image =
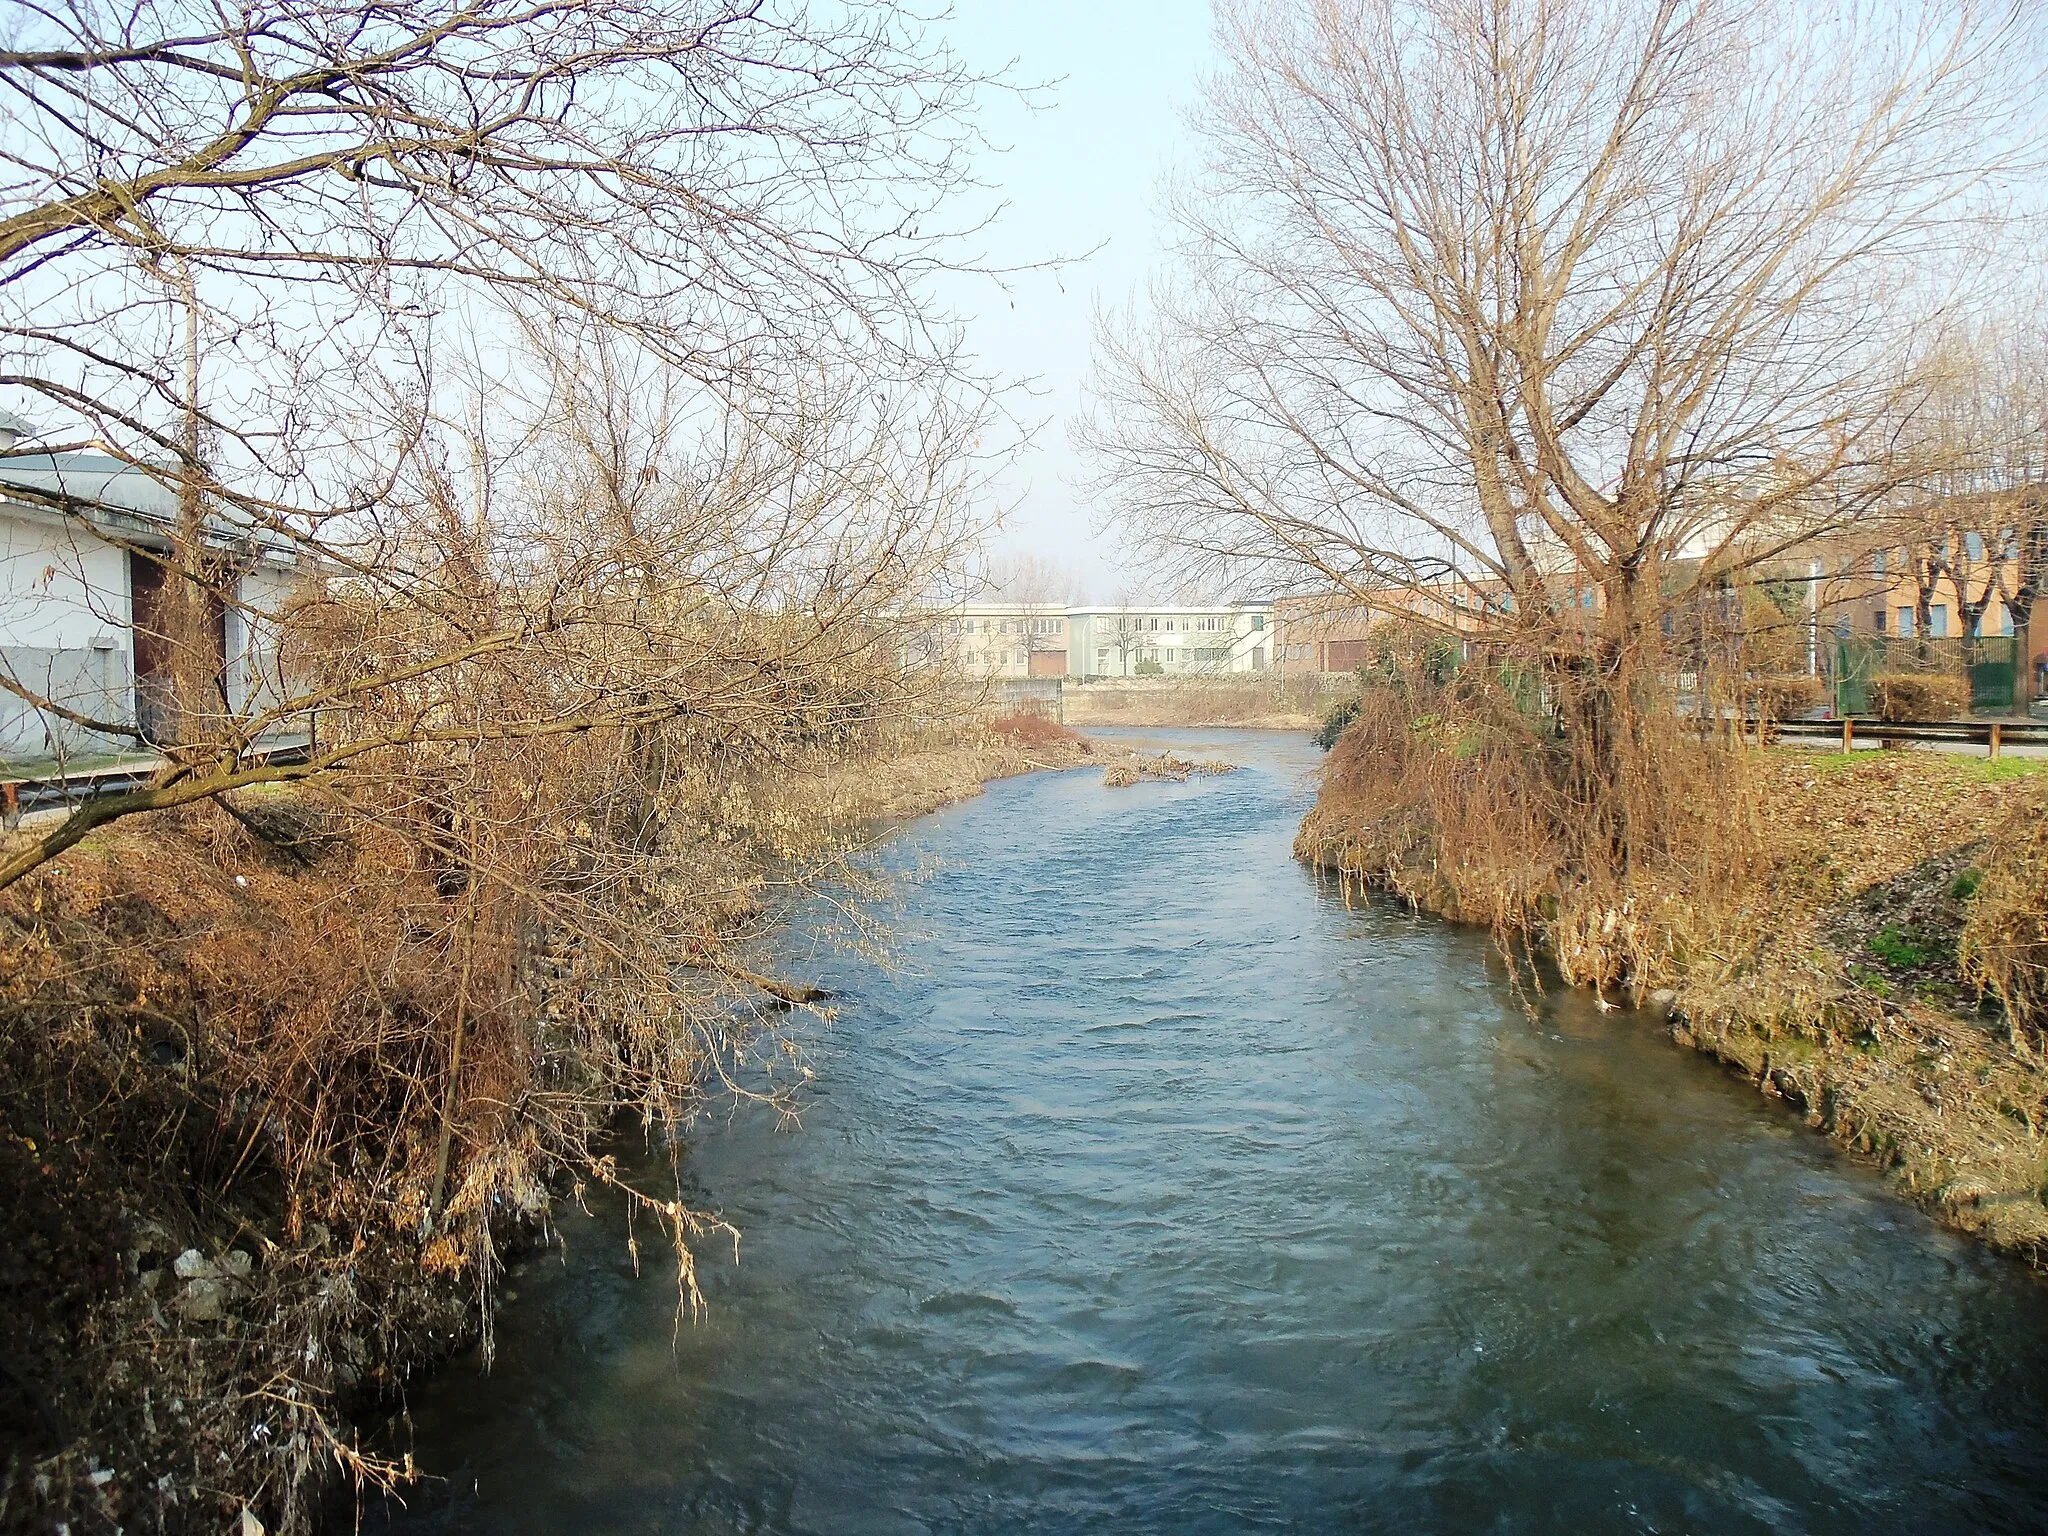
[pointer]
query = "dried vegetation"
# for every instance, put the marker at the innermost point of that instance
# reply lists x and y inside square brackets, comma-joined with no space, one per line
[1160,767]
[279,1083]
[1268,702]
[1862,937]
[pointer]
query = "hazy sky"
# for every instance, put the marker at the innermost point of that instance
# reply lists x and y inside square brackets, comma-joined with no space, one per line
[1081,171]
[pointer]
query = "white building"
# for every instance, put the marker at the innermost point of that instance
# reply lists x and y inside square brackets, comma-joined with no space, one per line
[80,534]
[1022,640]
[1169,640]
[1006,640]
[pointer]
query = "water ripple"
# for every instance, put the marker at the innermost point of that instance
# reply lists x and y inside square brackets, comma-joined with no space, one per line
[1156,1190]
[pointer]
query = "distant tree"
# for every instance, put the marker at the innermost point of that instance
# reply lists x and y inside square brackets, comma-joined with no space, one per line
[1031,580]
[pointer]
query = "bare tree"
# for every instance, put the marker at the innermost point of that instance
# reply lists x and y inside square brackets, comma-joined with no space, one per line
[1542,295]
[243,253]
[1035,581]
[1982,516]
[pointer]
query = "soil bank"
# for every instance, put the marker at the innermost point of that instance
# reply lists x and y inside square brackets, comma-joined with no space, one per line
[1857,1015]
[192,1328]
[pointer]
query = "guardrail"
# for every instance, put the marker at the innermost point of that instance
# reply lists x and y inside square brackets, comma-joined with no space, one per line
[1993,735]
[18,796]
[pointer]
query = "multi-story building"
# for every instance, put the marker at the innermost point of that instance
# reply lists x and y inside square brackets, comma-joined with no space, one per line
[1044,640]
[1334,632]
[1006,640]
[1169,639]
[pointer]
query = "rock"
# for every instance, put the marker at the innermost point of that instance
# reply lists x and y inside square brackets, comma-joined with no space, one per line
[251,1526]
[204,1301]
[1660,1003]
[192,1265]
[237,1264]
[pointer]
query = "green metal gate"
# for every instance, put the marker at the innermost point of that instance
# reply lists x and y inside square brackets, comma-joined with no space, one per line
[1855,660]
[1994,672]
[1991,664]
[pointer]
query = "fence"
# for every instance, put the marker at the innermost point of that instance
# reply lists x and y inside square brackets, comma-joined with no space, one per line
[1991,664]
[1992,735]
[1041,696]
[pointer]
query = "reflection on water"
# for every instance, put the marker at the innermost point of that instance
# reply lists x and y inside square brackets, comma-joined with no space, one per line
[1157,1190]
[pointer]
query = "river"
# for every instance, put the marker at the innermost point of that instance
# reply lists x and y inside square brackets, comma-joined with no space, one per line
[1154,1188]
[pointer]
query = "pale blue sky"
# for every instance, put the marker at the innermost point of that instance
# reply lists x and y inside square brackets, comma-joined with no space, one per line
[1081,171]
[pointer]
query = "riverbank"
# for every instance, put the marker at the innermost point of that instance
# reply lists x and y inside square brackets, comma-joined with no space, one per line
[1264,702]
[1838,983]
[220,1032]
[1151,1188]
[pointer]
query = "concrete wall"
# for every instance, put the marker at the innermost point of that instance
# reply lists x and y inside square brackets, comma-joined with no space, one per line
[66,633]
[63,632]
[93,682]
[60,587]
[253,681]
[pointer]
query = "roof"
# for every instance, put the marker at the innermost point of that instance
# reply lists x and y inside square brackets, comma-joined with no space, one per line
[118,496]
[98,478]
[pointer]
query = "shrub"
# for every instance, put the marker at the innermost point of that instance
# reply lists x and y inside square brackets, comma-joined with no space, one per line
[1919,696]
[1899,947]
[1334,722]
[1029,730]
[1782,698]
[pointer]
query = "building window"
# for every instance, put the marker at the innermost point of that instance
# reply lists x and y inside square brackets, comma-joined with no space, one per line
[1877,563]
[1879,621]
[1937,622]
[1258,621]
[1973,546]
[1905,621]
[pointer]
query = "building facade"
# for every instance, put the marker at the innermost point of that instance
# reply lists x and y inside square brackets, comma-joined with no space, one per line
[1169,640]
[81,540]
[1005,640]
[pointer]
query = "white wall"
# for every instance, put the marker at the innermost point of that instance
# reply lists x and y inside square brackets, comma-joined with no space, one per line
[253,683]
[61,587]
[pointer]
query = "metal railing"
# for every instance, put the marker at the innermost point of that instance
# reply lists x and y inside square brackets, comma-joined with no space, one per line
[19,796]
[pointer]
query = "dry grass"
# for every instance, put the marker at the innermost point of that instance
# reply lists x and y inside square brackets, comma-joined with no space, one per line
[1036,731]
[2003,945]
[1268,702]
[340,1064]
[1460,800]
[1161,767]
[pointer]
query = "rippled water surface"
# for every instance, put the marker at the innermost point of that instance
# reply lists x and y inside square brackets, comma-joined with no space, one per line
[1157,1191]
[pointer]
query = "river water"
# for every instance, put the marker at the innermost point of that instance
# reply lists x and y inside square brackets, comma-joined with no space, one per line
[1153,1188]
